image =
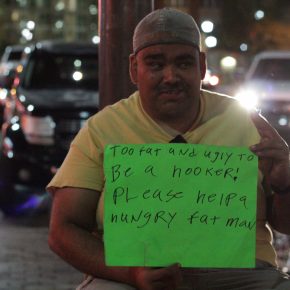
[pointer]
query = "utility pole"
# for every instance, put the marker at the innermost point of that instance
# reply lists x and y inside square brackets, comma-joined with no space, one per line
[117,20]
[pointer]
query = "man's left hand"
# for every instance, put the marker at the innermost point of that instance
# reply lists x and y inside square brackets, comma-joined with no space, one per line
[273,153]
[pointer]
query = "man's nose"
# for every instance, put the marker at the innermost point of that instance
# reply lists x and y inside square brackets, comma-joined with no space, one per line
[170,74]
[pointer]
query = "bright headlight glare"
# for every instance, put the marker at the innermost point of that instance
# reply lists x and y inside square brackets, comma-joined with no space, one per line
[38,130]
[247,98]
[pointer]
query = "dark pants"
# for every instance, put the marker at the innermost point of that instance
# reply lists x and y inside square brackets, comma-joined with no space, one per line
[263,277]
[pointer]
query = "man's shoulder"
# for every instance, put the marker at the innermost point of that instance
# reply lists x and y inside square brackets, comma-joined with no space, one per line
[217,103]
[124,107]
[215,98]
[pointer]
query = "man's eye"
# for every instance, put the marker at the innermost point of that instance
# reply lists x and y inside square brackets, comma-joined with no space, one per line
[185,65]
[155,65]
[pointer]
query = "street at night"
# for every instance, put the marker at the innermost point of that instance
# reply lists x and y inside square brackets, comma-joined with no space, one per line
[79,76]
[26,262]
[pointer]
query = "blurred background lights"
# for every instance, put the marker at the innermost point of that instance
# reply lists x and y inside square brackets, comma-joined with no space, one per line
[30,25]
[96,39]
[59,6]
[15,127]
[207,26]
[283,121]
[243,47]
[14,120]
[19,68]
[93,9]
[210,41]
[27,49]
[10,154]
[228,62]
[214,80]
[15,15]
[3,94]
[58,24]
[22,24]
[259,14]
[22,3]
[84,114]
[77,76]
[77,63]
[26,33]
[248,98]
[22,98]
[30,108]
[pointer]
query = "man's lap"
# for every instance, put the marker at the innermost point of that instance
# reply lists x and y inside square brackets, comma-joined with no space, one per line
[265,278]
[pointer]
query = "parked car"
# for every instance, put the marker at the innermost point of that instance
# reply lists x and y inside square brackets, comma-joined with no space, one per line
[52,96]
[267,87]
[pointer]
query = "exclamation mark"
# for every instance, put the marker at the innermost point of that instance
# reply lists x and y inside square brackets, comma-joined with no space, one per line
[236,177]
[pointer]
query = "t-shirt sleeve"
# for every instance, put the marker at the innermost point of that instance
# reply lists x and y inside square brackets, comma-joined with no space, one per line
[83,165]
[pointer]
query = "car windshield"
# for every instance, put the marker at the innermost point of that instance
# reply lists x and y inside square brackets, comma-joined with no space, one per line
[62,71]
[273,69]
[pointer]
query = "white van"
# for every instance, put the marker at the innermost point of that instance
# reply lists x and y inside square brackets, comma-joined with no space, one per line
[267,87]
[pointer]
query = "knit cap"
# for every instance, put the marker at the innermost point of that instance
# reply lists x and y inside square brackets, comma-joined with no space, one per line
[166,26]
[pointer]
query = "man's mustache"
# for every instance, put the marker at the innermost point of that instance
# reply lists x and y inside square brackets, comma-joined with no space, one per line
[172,87]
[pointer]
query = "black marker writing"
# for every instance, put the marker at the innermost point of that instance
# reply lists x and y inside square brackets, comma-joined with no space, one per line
[117,172]
[202,218]
[238,222]
[122,192]
[143,218]
[221,199]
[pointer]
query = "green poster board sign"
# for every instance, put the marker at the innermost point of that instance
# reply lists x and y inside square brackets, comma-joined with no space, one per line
[186,203]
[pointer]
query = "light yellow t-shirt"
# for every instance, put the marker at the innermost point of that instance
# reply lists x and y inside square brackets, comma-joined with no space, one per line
[221,121]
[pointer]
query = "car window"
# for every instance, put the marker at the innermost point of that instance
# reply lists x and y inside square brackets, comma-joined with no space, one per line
[14,55]
[61,71]
[273,69]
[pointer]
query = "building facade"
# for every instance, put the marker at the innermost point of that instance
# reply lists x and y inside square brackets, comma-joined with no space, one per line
[25,21]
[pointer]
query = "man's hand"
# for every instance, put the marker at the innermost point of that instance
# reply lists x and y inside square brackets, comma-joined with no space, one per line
[168,278]
[273,153]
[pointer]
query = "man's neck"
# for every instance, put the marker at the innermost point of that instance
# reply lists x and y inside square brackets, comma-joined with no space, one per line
[181,125]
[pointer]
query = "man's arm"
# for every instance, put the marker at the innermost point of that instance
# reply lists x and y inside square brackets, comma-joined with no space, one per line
[279,217]
[73,219]
[273,153]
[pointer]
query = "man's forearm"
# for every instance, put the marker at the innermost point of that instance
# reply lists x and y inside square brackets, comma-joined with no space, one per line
[280,213]
[85,252]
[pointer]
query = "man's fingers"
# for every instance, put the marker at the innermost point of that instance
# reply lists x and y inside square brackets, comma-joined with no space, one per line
[171,274]
[263,127]
[166,272]
[269,144]
[270,153]
[272,144]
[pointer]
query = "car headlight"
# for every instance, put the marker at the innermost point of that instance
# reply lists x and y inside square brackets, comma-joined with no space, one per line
[247,98]
[38,130]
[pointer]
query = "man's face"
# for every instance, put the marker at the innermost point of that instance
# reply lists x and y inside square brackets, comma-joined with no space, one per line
[168,78]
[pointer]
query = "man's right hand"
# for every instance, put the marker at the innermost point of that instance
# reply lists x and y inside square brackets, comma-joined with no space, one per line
[168,278]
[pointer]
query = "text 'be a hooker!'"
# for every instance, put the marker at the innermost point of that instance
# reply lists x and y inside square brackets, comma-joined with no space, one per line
[185,203]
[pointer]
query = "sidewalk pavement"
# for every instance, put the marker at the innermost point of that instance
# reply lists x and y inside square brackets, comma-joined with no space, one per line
[27,263]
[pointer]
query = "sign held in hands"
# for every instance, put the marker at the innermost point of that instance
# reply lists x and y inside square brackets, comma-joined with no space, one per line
[186,203]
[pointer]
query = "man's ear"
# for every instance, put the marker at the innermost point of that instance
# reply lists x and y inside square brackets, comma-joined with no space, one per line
[202,63]
[133,68]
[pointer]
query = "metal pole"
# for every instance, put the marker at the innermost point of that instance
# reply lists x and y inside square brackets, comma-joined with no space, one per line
[117,20]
